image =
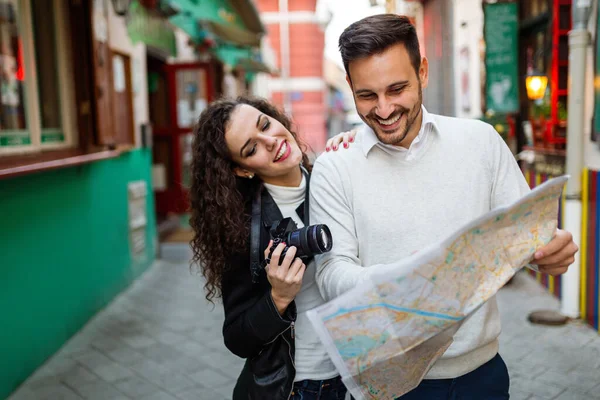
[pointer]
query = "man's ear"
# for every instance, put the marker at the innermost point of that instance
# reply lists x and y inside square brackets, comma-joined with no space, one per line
[424,72]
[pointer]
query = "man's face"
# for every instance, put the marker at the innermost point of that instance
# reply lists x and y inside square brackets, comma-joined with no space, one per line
[388,94]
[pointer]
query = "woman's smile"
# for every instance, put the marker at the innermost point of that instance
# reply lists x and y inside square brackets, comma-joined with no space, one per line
[283,152]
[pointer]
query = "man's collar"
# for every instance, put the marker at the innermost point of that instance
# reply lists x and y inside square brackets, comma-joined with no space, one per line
[369,139]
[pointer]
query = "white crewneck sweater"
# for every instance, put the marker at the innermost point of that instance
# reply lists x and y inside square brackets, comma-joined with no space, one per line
[382,206]
[312,361]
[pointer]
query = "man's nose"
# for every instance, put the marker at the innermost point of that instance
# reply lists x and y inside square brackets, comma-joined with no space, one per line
[384,108]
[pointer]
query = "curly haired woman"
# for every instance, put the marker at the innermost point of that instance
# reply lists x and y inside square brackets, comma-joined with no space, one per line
[247,161]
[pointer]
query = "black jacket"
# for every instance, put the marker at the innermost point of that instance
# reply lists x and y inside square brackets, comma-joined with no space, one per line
[253,328]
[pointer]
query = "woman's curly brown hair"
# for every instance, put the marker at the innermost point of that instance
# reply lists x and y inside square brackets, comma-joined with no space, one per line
[218,198]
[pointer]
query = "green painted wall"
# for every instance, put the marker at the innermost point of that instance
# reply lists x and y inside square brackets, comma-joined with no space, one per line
[64,254]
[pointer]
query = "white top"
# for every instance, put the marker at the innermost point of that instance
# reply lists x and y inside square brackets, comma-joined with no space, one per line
[312,361]
[382,206]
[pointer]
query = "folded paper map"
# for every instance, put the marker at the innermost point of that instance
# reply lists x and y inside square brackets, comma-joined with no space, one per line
[386,334]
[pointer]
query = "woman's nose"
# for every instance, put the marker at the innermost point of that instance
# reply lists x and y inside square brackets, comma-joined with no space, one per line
[270,141]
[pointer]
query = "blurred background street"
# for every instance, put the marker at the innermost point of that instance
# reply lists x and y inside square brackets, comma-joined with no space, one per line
[97,106]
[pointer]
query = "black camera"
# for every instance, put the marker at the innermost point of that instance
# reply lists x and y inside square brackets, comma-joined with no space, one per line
[310,240]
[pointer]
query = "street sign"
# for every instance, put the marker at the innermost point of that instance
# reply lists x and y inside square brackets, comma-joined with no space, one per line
[501,57]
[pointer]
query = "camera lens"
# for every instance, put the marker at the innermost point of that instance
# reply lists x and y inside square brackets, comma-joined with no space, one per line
[311,240]
[320,239]
[324,239]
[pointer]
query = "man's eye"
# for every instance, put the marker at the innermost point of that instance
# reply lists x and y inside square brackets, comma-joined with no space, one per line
[366,96]
[397,90]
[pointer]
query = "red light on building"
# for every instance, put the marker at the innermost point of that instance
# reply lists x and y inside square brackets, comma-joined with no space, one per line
[20,74]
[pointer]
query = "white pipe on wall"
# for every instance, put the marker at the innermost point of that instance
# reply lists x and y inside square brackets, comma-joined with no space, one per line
[579,41]
[284,47]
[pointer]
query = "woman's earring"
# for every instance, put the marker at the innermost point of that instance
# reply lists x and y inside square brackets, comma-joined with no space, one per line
[250,176]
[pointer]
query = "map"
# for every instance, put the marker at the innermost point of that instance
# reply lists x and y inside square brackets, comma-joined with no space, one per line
[385,335]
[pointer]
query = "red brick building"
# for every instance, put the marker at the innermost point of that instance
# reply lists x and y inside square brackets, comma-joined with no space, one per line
[297,37]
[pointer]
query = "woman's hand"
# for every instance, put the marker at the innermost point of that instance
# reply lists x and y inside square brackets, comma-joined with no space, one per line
[285,279]
[344,137]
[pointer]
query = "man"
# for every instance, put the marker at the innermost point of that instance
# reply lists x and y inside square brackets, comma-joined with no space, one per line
[412,179]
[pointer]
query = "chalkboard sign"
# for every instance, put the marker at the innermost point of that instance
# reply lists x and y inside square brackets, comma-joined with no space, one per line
[501,57]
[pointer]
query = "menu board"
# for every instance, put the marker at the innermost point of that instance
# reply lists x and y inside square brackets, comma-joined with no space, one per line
[501,58]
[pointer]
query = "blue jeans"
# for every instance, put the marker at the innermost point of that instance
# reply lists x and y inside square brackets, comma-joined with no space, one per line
[488,382]
[329,389]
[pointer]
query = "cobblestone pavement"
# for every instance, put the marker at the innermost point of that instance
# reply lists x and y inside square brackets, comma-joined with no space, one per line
[160,340]
[544,362]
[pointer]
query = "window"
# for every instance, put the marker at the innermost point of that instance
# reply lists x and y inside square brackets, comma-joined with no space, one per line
[36,95]
[13,120]
[191,96]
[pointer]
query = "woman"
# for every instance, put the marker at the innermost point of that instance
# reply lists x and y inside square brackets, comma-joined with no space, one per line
[249,172]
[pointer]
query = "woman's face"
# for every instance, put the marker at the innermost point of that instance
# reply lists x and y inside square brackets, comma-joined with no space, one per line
[261,145]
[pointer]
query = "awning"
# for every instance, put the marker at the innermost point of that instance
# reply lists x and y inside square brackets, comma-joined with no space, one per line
[234,21]
[241,57]
[150,29]
[233,34]
[251,65]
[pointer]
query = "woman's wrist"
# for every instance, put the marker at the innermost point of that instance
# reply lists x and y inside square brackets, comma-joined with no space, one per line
[280,303]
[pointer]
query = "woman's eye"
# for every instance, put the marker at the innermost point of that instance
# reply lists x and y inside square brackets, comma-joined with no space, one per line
[266,125]
[252,151]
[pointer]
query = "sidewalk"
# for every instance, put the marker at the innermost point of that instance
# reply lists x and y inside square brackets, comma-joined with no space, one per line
[161,340]
[546,362]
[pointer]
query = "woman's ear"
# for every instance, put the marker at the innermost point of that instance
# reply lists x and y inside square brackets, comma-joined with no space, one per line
[243,173]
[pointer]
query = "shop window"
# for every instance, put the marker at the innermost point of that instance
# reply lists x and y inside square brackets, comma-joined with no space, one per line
[191,96]
[13,120]
[46,60]
[36,99]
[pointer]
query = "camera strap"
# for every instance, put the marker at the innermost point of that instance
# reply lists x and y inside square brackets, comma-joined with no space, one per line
[304,217]
[255,235]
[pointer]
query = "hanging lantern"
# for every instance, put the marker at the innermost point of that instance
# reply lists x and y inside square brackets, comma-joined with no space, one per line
[536,84]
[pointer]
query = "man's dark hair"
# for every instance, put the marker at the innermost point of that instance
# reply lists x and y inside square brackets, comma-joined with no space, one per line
[375,34]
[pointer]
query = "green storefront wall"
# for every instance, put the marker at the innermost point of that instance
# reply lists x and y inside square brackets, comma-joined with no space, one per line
[64,255]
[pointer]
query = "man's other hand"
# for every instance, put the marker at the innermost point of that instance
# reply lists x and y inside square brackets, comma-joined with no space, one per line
[555,257]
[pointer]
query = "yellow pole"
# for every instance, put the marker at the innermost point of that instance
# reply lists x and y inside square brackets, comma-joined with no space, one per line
[584,243]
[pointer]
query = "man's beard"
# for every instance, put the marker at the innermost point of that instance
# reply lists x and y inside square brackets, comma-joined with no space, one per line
[397,137]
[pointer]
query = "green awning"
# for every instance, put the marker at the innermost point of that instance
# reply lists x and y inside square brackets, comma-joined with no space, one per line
[234,21]
[150,29]
[233,34]
[241,57]
[231,55]
[252,65]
